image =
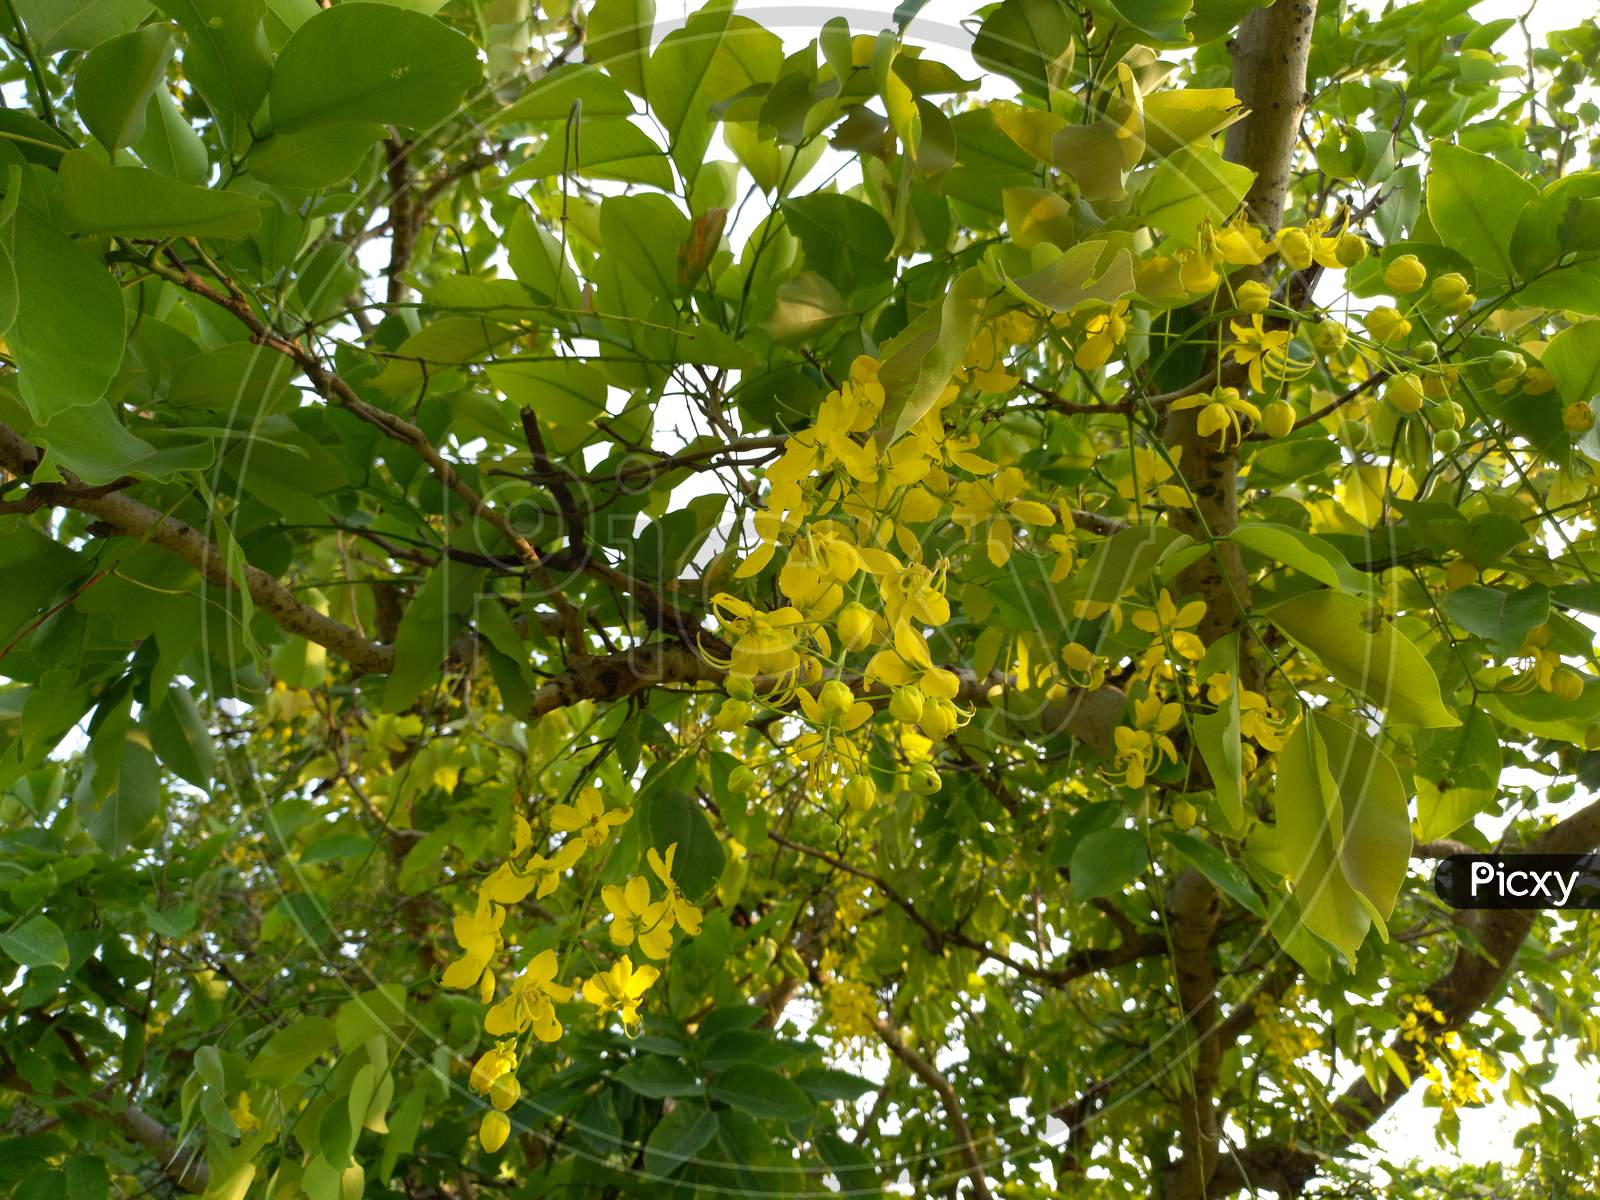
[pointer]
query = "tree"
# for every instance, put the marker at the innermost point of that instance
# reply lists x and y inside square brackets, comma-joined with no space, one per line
[595,608]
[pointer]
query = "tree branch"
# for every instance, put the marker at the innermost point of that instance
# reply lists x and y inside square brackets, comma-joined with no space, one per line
[930,1075]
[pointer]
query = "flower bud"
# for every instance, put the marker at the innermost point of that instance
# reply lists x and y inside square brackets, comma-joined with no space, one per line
[1405,275]
[503,1092]
[1452,292]
[906,705]
[1425,351]
[1403,392]
[1278,418]
[1567,684]
[493,1131]
[740,687]
[854,624]
[1253,296]
[734,714]
[1446,415]
[1350,249]
[1386,325]
[924,779]
[1578,417]
[835,698]
[861,793]
[938,719]
[1294,247]
[1436,385]
[1446,441]
[1329,336]
[1184,814]
[1507,364]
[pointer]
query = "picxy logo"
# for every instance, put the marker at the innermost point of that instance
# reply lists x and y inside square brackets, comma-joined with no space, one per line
[1519,881]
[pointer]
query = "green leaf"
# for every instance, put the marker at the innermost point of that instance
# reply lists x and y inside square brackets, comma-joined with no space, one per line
[1498,614]
[1304,552]
[292,1049]
[804,307]
[377,1012]
[1090,273]
[115,816]
[562,391]
[1457,775]
[1195,184]
[430,625]
[1560,220]
[675,817]
[313,158]
[1105,862]
[643,234]
[919,362]
[1363,652]
[1474,202]
[139,203]
[1573,357]
[677,74]
[179,735]
[552,96]
[67,338]
[37,942]
[1218,733]
[1024,40]
[851,1165]
[93,444]
[845,241]
[227,57]
[617,37]
[828,1084]
[1175,117]
[1345,836]
[1125,558]
[371,62]
[603,149]
[114,83]
[677,1137]
[761,1093]
[87,1177]
[1214,865]
[657,1077]
[169,143]
[78,24]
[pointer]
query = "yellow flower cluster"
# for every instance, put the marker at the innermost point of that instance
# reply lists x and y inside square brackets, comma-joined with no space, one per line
[528,1008]
[1456,1072]
[1284,1039]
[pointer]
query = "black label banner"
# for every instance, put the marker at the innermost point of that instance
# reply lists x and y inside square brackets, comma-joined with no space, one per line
[1519,881]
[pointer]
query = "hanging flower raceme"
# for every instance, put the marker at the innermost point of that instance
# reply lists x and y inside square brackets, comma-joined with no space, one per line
[996,502]
[1265,352]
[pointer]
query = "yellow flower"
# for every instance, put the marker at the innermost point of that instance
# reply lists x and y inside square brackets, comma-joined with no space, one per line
[620,989]
[498,1060]
[1405,275]
[915,592]
[911,664]
[531,1003]
[1103,332]
[835,706]
[1265,351]
[1220,411]
[1167,618]
[995,500]
[479,935]
[685,914]
[539,875]
[765,644]
[635,917]
[245,1120]
[1262,722]
[589,817]
[821,562]
[1139,748]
